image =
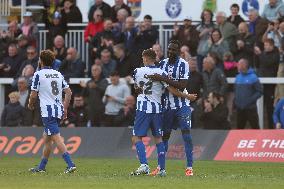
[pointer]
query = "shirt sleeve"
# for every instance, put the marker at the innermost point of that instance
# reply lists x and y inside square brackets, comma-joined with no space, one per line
[164,83]
[184,71]
[64,84]
[35,82]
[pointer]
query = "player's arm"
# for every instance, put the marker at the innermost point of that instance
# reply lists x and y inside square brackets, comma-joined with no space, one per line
[67,99]
[181,84]
[32,100]
[177,93]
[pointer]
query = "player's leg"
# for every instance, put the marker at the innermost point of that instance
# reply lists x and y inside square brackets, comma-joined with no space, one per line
[161,152]
[45,154]
[141,125]
[167,127]
[53,124]
[183,115]
[46,151]
[65,155]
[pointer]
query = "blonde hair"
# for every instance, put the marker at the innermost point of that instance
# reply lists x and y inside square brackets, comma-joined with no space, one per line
[15,95]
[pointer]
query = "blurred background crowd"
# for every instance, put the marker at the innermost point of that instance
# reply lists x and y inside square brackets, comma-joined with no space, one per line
[229,46]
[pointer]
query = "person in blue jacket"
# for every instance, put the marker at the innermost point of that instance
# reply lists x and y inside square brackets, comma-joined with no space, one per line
[278,114]
[247,90]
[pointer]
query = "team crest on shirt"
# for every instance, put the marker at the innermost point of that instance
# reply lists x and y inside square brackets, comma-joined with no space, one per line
[173,8]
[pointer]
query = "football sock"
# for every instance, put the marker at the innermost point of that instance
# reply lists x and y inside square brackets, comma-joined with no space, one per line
[161,155]
[188,147]
[141,152]
[43,163]
[166,144]
[67,159]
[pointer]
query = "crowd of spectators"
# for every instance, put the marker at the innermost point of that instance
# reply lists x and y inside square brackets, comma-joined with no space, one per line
[229,47]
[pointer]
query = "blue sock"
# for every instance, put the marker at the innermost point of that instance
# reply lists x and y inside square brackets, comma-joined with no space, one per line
[141,152]
[161,155]
[67,159]
[43,163]
[188,147]
[166,144]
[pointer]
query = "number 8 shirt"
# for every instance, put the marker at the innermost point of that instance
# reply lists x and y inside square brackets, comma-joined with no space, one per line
[150,101]
[49,84]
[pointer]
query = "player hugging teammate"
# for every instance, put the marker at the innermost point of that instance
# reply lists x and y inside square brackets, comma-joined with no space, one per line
[152,82]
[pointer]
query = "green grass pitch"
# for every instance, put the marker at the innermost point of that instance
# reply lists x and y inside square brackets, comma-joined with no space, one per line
[114,173]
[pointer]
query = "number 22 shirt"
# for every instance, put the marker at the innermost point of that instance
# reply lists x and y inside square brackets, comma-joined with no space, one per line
[150,100]
[49,84]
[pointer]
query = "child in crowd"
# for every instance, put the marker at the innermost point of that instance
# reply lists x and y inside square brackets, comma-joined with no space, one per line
[13,113]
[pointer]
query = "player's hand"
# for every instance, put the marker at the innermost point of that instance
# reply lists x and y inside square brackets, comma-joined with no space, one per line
[278,125]
[257,50]
[7,69]
[156,77]
[191,97]
[65,113]
[92,84]
[110,98]
[31,106]
[83,84]
[138,90]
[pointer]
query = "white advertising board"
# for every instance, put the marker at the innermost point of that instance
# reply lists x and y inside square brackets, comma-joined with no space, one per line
[177,10]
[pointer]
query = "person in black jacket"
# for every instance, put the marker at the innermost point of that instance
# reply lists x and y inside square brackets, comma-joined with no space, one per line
[94,91]
[72,65]
[194,86]
[268,63]
[78,113]
[100,4]
[235,18]
[126,63]
[57,27]
[147,35]
[71,13]
[13,113]
[247,90]
[215,113]
[126,115]
[119,4]
[245,43]
[10,64]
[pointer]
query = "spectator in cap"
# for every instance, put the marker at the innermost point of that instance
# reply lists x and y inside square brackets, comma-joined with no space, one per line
[30,29]
[187,35]
[50,6]
[57,27]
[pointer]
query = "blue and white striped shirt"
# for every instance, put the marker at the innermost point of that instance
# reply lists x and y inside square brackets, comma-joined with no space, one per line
[49,84]
[150,101]
[177,72]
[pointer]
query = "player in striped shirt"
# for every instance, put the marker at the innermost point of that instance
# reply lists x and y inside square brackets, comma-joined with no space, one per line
[149,111]
[49,84]
[178,110]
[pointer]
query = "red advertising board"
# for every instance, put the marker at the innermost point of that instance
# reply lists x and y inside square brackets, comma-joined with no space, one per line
[253,145]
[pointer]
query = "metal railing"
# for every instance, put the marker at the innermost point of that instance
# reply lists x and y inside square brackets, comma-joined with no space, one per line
[5,7]
[75,38]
